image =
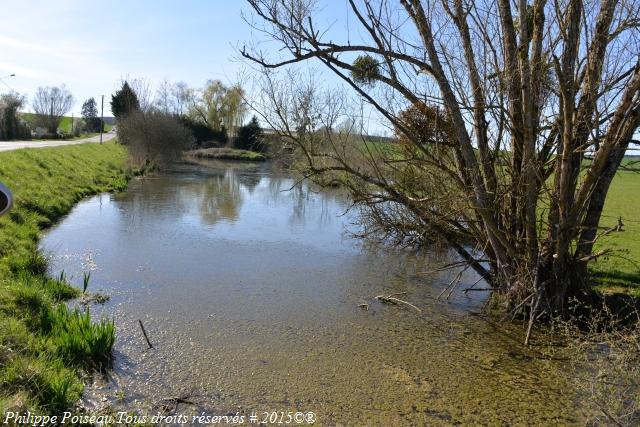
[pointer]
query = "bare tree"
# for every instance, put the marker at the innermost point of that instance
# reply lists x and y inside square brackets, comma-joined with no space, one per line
[181,94]
[162,100]
[51,104]
[143,90]
[172,98]
[539,102]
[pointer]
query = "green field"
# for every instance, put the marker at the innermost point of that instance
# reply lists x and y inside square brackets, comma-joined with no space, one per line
[620,270]
[65,123]
[44,346]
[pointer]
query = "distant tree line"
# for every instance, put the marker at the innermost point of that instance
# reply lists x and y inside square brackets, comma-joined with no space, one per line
[190,118]
[50,104]
[211,116]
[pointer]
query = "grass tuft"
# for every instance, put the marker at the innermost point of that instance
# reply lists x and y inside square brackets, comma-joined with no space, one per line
[86,276]
[78,340]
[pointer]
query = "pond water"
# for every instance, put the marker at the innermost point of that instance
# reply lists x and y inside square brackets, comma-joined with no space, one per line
[250,293]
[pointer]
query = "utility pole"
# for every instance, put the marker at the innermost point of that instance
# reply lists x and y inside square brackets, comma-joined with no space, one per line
[101,118]
[72,124]
[55,131]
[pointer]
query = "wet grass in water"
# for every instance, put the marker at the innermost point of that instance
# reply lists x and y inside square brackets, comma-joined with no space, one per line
[77,339]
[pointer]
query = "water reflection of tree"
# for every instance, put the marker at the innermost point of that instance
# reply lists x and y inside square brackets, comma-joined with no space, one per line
[305,200]
[300,197]
[221,197]
[249,181]
[218,194]
[152,198]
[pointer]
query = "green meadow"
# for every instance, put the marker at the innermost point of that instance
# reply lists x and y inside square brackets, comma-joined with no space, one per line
[65,123]
[619,270]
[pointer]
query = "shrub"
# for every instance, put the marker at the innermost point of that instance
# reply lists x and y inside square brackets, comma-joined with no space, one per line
[204,136]
[81,125]
[11,126]
[250,137]
[153,137]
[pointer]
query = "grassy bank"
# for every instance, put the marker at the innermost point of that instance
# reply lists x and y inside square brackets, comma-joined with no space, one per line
[44,346]
[226,153]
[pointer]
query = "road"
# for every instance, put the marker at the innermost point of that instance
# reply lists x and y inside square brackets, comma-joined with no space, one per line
[16,145]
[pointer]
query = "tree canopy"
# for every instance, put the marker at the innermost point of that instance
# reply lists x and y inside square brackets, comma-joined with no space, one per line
[219,106]
[124,101]
[250,136]
[90,115]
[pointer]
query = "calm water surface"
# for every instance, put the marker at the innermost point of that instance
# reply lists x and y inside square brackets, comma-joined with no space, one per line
[250,295]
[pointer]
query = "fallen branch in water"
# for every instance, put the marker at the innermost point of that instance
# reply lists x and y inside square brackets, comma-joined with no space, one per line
[472,287]
[170,404]
[391,299]
[446,267]
[145,334]
[453,284]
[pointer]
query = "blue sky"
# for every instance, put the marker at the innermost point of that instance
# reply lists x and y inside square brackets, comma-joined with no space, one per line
[91,45]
